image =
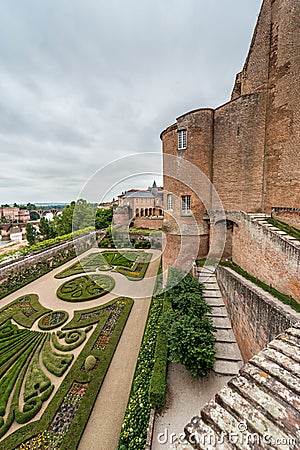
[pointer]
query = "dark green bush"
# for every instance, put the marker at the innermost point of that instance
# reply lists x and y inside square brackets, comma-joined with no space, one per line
[189,332]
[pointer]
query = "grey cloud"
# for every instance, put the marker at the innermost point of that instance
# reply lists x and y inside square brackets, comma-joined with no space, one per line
[85,82]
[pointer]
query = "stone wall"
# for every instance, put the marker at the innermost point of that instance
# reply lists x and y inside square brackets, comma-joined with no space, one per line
[256,316]
[267,256]
[82,243]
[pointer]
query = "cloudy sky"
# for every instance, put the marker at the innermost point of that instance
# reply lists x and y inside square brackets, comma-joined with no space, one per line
[86,82]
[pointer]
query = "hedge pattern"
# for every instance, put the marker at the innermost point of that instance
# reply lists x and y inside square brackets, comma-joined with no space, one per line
[132,264]
[21,353]
[86,287]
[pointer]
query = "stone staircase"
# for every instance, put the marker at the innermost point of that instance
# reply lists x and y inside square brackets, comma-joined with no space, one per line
[260,218]
[228,356]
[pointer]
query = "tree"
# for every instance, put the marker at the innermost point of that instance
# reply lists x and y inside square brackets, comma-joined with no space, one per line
[31,234]
[46,229]
[30,206]
[103,218]
[75,216]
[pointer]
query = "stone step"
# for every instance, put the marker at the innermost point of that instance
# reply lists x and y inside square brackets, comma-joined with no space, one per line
[225,336]
[228,351]
[212,294]
[225,367]
[221,322]
[218,311]
[211,286]
[212,301]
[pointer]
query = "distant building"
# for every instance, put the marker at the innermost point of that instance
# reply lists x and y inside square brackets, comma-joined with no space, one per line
[14,214]
[141,208]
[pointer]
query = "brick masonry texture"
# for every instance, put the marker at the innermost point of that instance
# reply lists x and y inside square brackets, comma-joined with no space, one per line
[249,148]
[291,216]
[267,256]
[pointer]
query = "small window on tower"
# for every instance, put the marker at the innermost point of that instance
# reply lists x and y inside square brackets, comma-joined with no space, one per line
[181,139]
[170,201]
[186,205]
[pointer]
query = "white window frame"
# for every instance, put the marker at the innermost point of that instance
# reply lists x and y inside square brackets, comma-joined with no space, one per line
[186,205]
[169,201]
[182,139]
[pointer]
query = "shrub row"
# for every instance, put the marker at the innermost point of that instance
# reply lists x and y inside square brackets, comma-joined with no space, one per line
[136,420]
[43,244]
[158,382]
[17,280]
[54,362]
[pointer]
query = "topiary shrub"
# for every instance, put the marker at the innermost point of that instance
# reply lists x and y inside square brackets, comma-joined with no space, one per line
[90,363]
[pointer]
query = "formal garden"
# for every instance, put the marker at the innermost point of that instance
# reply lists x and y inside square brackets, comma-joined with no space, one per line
[40,372]
[53,362]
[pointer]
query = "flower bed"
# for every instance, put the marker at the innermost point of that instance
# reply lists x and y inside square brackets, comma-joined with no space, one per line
[53,320]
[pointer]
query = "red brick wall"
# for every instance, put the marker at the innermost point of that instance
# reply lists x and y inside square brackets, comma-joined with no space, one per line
[290,217]
[254,77]
[145,222]
[282,176]
[238,152]
[265,255]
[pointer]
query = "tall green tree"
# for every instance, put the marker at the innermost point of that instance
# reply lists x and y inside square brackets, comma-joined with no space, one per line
[103,218]
[31,234]
[76,216]
[46,229]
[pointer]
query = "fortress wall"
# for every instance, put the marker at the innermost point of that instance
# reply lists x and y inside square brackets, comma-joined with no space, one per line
[255,315]
[238,152]
[291,216]
[199,126]
[254,76]
[282,166]
[267,256]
